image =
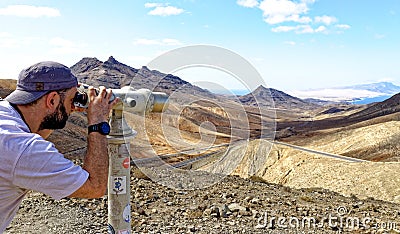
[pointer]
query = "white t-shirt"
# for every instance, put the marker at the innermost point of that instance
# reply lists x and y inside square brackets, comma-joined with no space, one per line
[29,162]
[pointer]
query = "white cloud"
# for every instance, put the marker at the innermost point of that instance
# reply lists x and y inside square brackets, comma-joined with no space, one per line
[29,11]
[342,26]
[334,94]
[279,11]
[328,20]
[299,29]
[298,19]
[152,5]
[308,1]
[283,29]
[321,29]
[162,9]
[166,11]
[162,42]
[247,3]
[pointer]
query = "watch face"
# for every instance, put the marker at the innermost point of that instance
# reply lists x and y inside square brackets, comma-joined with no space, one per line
[105,128]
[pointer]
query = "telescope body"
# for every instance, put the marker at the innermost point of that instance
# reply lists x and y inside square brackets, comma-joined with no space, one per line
[138,101]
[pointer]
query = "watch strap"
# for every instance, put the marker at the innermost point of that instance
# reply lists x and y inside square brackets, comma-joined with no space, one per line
[97,128]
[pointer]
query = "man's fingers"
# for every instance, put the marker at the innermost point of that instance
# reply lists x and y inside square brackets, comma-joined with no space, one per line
[109,94]
[104,93]
[114,102]
[91,93]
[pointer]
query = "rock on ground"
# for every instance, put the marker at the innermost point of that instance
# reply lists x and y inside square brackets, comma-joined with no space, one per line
[234,205]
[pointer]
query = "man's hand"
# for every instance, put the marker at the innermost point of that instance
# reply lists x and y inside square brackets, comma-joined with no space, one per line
[99,106]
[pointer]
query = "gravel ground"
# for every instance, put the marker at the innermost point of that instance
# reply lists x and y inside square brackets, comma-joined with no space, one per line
[234,205]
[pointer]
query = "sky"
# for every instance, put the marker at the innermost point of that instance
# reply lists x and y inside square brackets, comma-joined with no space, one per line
[294,45]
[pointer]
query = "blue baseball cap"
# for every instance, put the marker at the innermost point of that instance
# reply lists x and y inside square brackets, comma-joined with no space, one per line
[39,79]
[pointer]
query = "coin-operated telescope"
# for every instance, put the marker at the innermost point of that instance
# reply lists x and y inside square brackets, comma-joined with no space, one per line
[136,101]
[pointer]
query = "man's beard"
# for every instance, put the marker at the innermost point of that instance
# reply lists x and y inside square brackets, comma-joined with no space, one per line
[56,120]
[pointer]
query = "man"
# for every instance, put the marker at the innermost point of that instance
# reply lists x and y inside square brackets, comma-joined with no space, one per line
[42,102]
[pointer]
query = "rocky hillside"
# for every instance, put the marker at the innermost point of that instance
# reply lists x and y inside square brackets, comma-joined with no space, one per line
[294,168]
[234,205]
[7,86]
[265,96]
[373,140]
[387,107]
[347,115]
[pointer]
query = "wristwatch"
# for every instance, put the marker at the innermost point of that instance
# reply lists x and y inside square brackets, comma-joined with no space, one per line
[103,128]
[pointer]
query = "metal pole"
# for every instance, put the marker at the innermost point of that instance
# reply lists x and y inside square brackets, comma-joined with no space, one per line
[119,208]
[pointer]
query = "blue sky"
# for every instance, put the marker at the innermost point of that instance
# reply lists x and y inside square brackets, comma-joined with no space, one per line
[295,45]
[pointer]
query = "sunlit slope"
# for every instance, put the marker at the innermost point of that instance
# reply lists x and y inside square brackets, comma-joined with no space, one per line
[298,169]
[7,86]
[369,141]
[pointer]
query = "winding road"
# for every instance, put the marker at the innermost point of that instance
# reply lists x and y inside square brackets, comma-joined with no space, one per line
[337,156]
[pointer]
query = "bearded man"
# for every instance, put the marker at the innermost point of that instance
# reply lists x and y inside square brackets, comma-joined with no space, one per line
[42,102]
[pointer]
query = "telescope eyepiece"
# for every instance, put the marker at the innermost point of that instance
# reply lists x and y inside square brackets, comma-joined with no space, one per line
[81,100]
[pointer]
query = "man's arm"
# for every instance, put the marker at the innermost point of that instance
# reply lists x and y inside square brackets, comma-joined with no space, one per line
[96,159]
[96,164]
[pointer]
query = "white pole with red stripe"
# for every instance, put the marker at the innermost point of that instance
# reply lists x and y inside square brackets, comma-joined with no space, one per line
[119,208]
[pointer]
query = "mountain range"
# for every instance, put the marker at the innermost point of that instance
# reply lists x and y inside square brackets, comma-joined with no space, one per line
[114,74]
[381,87]
[262,96]
[356,94]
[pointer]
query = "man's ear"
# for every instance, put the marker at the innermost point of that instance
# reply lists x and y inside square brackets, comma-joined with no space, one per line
[52,100]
